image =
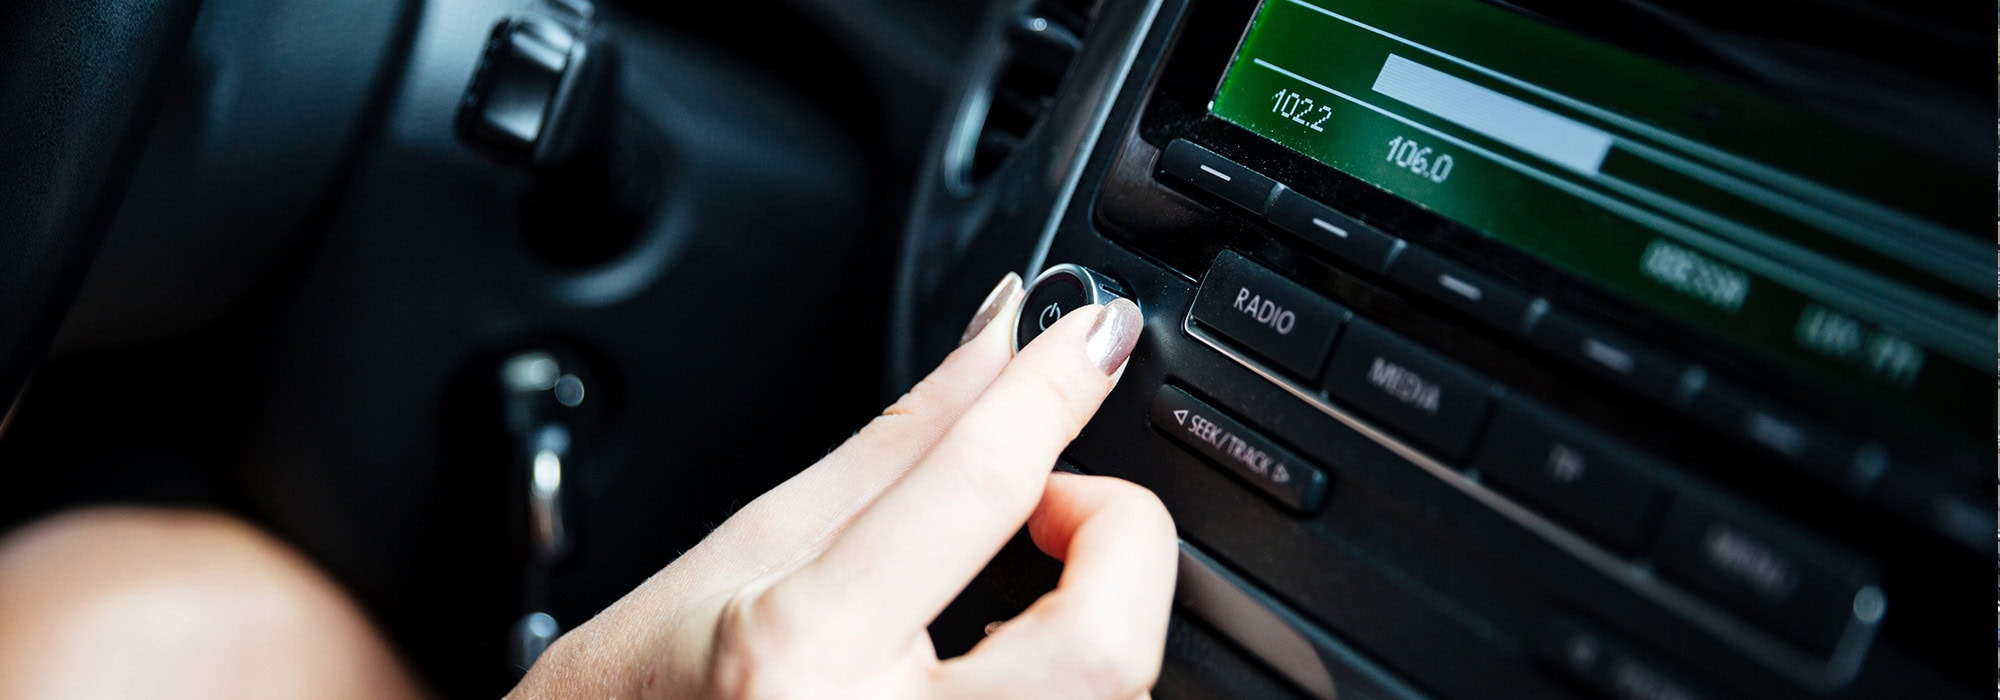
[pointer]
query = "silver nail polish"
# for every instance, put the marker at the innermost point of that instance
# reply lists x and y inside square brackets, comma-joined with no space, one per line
[1113,336]
[996,300]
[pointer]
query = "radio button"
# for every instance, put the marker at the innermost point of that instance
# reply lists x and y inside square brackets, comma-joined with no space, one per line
[1220,176]
[1801,591]
[1338,233]
[1460,288]
[1267,314]
[1583,478]
[1250,456]
[1434,400]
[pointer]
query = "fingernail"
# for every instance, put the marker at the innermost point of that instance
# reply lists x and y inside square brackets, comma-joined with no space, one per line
[998,299]
[1113,336]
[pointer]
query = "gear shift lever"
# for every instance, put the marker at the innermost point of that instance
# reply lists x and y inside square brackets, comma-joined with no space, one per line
[540,400]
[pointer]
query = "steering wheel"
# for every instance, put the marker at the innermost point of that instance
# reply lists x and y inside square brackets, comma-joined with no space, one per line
[80,84]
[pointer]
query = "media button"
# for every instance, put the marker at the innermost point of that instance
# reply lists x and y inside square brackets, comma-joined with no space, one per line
[1434,400]
[1267,314]
[1583,478]
[1250,456]
[1338,233]
[1220,176]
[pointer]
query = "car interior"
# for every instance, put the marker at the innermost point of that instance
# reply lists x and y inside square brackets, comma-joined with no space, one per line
[1494,348]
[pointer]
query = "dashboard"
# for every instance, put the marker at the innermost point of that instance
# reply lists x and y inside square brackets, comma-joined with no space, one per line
[1523,350]
[1630,349]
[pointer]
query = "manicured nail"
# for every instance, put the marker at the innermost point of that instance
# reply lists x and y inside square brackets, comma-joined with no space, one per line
[1002,295]
[1113,336]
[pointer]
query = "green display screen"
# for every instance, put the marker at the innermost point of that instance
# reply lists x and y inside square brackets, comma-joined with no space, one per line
[1829,251]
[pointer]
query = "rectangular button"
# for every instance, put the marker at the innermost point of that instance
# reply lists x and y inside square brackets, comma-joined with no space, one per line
[1815,449]
[1338,233]
[1434,400]
[1609,669]
[1220,176]
[1800,590]
[1581,477]
[1649,374]
[1252,457]
[1267,314]
[1458,287]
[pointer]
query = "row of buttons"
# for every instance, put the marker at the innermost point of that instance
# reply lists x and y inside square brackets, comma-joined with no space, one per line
[1821,451]
[1434,400]
[1797,588]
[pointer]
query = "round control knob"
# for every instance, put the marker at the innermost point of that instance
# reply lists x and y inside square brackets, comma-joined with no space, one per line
[1058,291]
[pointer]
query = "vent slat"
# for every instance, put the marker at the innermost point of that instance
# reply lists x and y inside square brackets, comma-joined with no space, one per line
[1042,43]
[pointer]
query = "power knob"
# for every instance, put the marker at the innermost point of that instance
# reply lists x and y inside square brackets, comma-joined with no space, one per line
[1058,291]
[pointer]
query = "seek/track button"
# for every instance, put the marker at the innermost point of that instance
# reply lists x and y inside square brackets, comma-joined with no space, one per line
[1250,456]
[1268,315]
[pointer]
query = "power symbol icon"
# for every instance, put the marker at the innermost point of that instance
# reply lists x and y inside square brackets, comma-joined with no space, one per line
[1050,315]
[1056,292]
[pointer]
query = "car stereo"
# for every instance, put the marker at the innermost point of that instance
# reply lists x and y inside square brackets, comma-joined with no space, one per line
[1502,356]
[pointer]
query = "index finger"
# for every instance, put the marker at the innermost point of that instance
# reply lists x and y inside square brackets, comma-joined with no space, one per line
[910,553]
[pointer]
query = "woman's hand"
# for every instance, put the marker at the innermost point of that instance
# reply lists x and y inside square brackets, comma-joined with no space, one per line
[823,587]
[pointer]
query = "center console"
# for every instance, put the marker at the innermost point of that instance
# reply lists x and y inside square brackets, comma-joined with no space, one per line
[1495,352]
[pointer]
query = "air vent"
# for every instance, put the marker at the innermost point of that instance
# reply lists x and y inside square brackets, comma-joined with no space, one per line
[1041,42]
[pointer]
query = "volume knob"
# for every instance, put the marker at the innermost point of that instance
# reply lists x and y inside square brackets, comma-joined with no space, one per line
[1058,291]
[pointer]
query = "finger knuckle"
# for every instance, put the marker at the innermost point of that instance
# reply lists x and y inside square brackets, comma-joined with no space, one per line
[1143,508]
[917,400]
[1051,412]
[1109,665]
[758,647]
[902,421]
[993,477]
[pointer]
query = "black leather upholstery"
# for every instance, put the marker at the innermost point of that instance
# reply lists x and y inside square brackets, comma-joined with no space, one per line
[80,81]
